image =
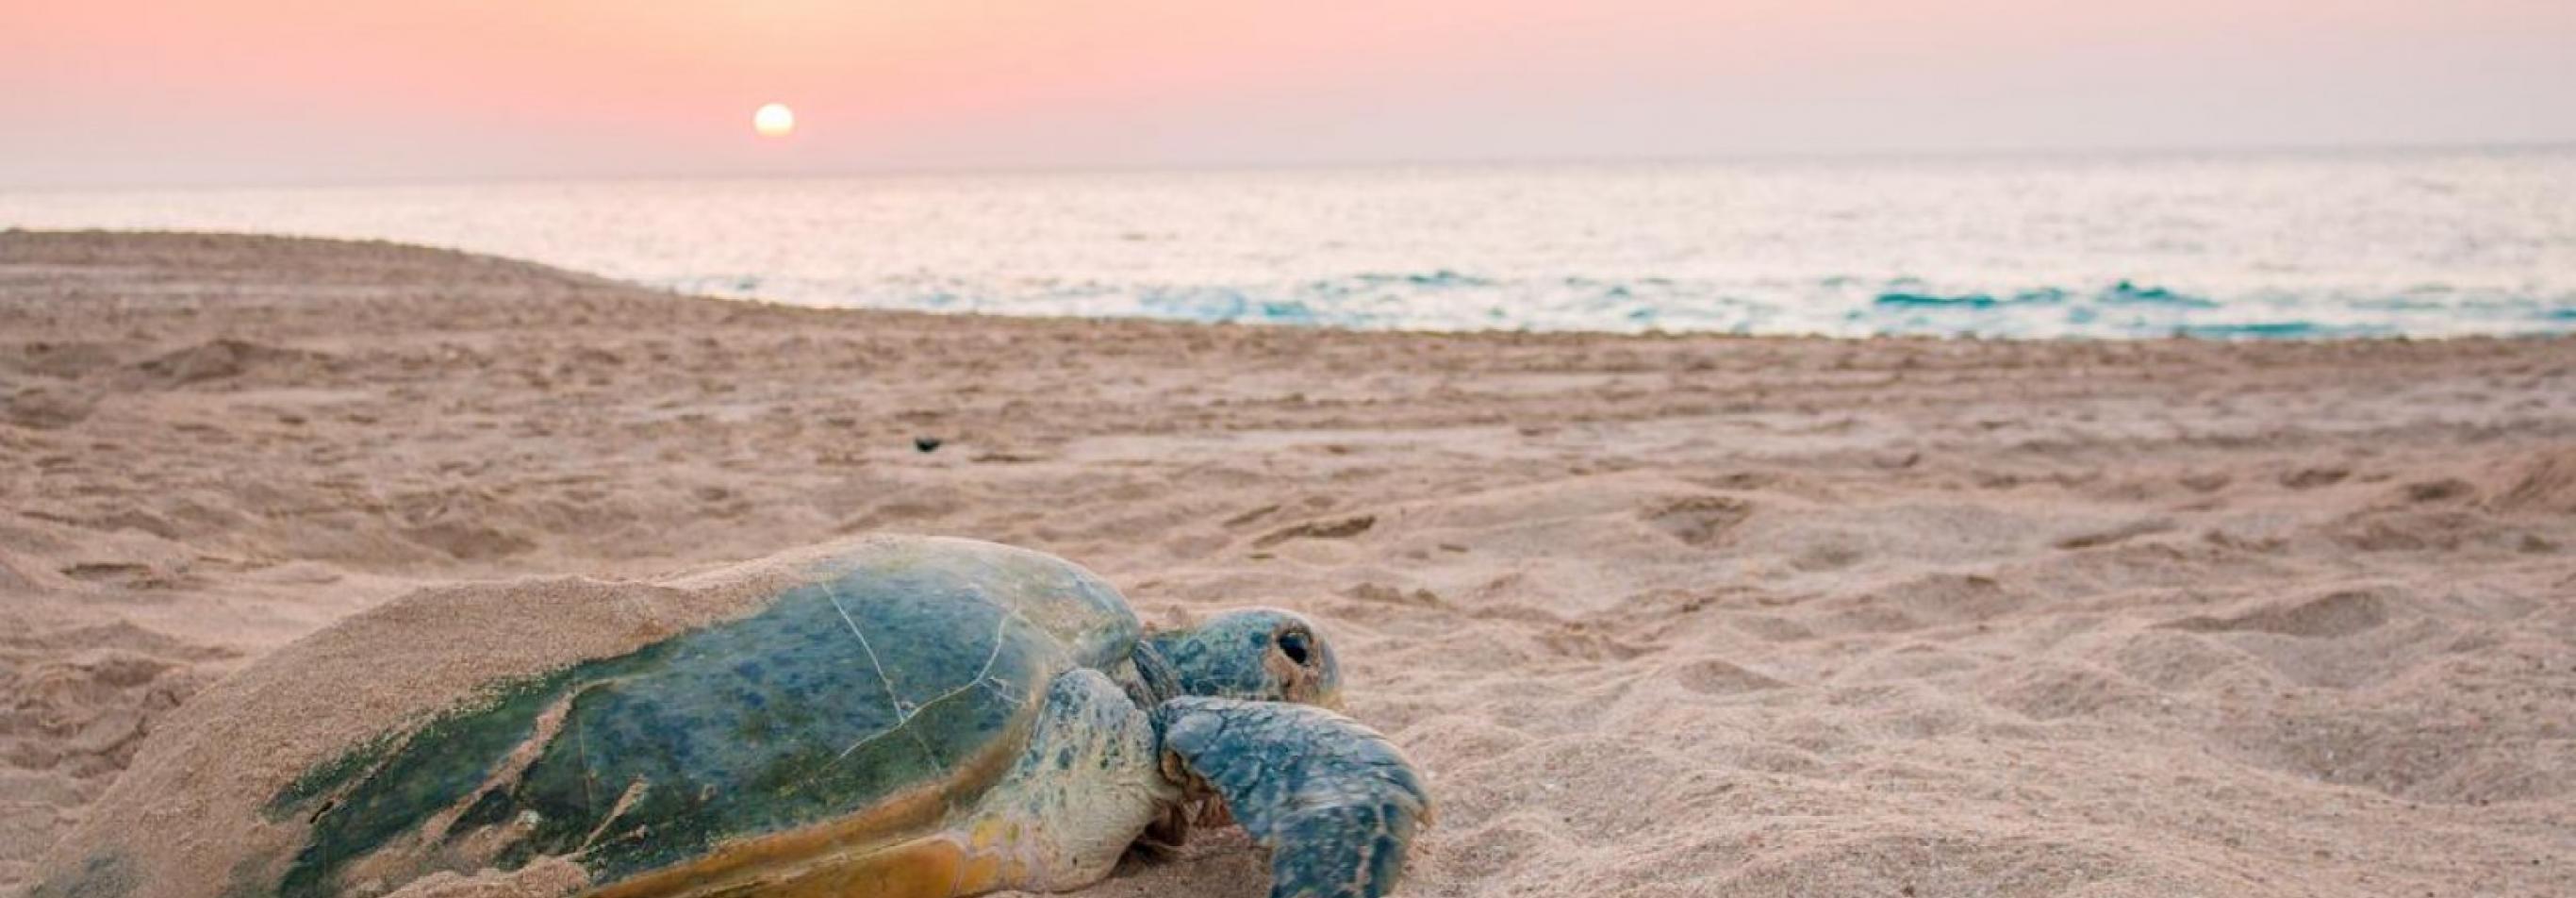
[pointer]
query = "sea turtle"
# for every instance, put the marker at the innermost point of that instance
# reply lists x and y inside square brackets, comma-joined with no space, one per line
[888,716]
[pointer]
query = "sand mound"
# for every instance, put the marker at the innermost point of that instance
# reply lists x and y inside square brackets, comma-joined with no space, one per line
[2332,615]
[226,360]
[2543,483]
[47,407]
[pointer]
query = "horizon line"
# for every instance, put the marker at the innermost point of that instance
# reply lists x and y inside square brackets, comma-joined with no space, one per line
[900,170]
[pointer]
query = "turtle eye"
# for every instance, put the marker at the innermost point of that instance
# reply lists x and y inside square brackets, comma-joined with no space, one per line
[1293,644]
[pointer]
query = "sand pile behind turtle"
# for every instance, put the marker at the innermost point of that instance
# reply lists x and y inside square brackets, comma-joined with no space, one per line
[395,664]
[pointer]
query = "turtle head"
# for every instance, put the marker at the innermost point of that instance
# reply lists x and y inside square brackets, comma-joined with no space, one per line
[1260,654]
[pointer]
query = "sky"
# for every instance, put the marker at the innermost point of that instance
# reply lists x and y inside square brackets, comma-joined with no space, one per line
[122,92]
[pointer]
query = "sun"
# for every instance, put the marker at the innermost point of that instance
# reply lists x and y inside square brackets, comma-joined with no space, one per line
[774,120]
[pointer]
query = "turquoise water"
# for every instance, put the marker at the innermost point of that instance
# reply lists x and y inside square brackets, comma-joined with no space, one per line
[2247,246]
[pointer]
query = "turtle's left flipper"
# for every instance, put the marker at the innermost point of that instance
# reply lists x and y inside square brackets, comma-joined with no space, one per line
[1336,803]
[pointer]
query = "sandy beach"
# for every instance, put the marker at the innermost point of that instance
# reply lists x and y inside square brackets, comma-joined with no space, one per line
[1662,616]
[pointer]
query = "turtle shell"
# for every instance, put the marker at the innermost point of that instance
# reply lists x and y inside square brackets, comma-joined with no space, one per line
[815,705]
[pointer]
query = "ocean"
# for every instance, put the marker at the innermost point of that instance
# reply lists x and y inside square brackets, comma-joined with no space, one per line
[2226,246]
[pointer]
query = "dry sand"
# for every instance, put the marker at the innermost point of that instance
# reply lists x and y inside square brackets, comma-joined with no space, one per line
[1663,616]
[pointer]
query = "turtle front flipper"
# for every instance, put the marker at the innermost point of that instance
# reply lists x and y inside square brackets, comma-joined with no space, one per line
[1335,802]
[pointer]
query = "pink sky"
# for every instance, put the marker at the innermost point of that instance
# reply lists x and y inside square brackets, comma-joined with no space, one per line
[117,91]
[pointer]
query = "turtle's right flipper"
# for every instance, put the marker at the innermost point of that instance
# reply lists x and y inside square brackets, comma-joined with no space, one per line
[1336,803]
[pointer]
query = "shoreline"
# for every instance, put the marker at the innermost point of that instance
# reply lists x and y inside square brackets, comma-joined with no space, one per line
[1662,614]
[2248,249]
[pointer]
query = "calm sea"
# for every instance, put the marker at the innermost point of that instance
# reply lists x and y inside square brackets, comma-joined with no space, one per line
[2226,246]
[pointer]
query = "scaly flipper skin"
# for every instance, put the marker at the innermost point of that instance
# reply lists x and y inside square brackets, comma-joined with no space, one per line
[1335,802]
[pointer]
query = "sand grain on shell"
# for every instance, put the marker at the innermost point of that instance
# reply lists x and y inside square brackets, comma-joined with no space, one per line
[1663,616]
